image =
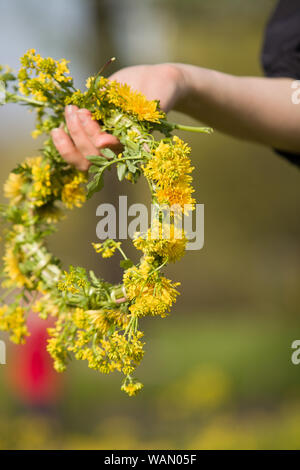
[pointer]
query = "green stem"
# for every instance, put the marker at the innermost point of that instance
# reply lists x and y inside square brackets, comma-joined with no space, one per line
[128,327]
[158,268]
[150,274]
[117,160]
[120,250]
[182,127]
[26,100]
[150,187]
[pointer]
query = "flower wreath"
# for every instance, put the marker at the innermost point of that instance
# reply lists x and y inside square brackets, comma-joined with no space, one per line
[94,320]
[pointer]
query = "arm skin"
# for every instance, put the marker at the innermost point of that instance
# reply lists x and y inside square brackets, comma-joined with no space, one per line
[251,108]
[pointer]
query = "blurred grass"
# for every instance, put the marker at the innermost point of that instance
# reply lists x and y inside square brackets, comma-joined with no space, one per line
[217,372]
[203,379]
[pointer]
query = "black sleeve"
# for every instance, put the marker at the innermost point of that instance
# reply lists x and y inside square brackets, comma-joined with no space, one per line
[281,49]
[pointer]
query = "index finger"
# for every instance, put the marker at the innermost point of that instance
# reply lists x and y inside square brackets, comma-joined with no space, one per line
[91,127]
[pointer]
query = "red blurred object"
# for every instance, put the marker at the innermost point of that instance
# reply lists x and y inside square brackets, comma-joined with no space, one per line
[30,367]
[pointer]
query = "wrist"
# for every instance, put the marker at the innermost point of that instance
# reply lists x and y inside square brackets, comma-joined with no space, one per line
[181,82]
[183,87]
[186,87]
[196,87]
[175,83]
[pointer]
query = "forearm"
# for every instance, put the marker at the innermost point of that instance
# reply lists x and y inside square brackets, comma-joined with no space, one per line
[251,108]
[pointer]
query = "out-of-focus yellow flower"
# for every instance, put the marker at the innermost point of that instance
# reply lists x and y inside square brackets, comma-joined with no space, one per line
[13,188]
[12,270]
[132,388]
[45,306]
[107,248]
[205,388]
[225,433]
[14,322]
[73,193]
[41,182]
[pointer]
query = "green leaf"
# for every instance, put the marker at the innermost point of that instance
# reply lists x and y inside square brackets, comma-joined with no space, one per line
[108,153]
[97,160]
[131,166]
[132,145]
[121,170]
[95,185]
[126,263]
[6,77]
[94,169]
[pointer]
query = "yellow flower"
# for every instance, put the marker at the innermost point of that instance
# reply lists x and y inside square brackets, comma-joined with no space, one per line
[41,180]
[133,102]
[89,82]
[108,252]
[61,69]
[13,321]
[117,317]
[49,73]
[100,320]
[13,188]
[178,196]
[36,133]
[76,98]
[169,169]
[57,351]
[150,294]
[68,284]
[97,247]
[12,270]
[164,240]
[80,318]
[107,248]
[132,388]
[45,306]
[73,193]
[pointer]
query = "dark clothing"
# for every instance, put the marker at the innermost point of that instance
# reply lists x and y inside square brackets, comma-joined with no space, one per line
[281,50]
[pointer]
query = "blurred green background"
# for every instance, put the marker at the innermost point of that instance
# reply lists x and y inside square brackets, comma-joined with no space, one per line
[218,371]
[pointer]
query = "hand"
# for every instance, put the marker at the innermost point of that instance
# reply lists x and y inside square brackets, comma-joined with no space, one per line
[163,82]
[86,138]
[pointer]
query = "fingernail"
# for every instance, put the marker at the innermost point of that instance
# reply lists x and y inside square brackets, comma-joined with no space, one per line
[62,125]
[84,111]
[70,109]
[84,118]
[55,135]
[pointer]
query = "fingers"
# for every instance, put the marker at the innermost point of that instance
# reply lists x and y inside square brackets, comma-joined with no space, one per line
[107,140]
[86,138]
[93,130]
[68,151]
[89,125]
[78,133]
